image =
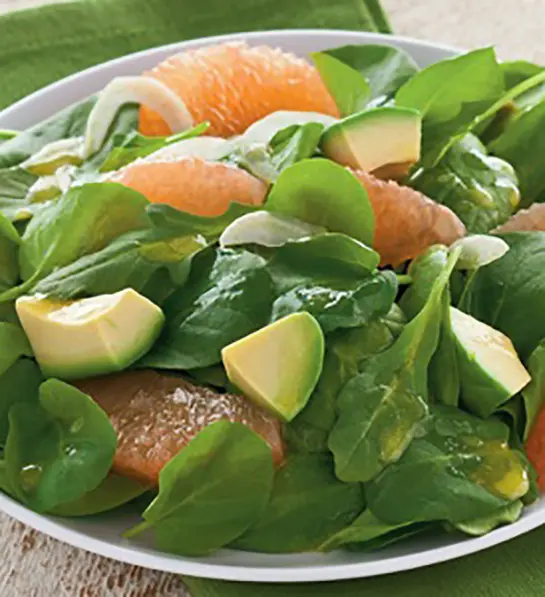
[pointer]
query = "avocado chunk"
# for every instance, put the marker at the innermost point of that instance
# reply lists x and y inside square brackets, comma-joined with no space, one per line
[384,141]
[490,369]
[278,366]
[92,336]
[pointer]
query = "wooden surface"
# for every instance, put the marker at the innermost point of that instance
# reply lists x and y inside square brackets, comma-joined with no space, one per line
[33,565]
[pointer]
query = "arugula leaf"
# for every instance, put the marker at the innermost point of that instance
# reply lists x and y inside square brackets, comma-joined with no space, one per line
[129,147]
[450,95]
[14,186]
[475,473]
[212,491]
[480,189]
[503,293]
[113,492]
[323,193]
[20,383]
[347,87]
[533,395]
[58,449]
[384,67]
[380,409]
[228,295]
[130,261]
[83,221]
[307,505]
[346,351]
[368,532]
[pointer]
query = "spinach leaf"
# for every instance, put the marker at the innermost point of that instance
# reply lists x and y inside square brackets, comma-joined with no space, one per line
[58,449]
[6,135]
[444,379]
[212,491]
[113,492]
[133,260]
[14,186]
[346,86]
[13,344]
[180,223]
[517,71]
[127,148]
[20,383]
[368,532]
[9,245]
[533,395]
[294,144]
[458,468]
[481,190]
[381,408]
[385,68]
[450,95]
[83,221]
[308,504]
[503,293]
[330,276]
[70,122]
[346,351]
[481,526]
[228,295]
[321,192]
[521,145]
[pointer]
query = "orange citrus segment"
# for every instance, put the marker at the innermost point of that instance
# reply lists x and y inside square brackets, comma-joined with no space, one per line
[535,448]
[525,220]
[232,85]
[193,185]
[407,222]
[156,415]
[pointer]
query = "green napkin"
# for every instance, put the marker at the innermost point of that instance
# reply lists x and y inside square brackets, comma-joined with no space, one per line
[41,45]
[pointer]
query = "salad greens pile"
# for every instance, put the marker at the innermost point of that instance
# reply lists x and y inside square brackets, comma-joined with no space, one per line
[410,428]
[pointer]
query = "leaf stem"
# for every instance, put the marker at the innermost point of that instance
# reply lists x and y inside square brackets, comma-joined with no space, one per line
[139,528]
[404,279]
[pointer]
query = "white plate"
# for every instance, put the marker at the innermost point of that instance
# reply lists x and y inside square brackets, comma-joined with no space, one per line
[102,535]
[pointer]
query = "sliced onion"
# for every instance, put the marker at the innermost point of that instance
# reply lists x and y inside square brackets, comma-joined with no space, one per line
[54,155]
[479,250]
[133,90]
[210,149]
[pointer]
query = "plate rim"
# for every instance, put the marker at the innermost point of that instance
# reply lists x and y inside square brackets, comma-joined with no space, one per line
[203,567]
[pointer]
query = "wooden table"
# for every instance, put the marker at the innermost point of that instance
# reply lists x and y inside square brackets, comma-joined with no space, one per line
[33,565]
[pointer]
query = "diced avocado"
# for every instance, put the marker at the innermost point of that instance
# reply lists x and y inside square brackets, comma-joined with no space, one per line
[278,366]
[92,336]
[384,141]
[490,369]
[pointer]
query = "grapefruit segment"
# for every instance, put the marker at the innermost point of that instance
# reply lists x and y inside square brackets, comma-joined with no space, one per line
[193,185]
[232,85]
[156,415]
[526,220]
[535,448]
[407,222]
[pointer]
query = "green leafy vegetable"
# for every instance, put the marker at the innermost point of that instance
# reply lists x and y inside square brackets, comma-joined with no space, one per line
[294,144]
[346,351]
[212,491]
[481,526]
[14,186]
[381,408]
[348,88]
[228,296]
[9,245]
[450,95]
[480,189]
[533,394]
[384,67]
[58,449]
[320,192]
[13,344]
[20,383]
[131,261]
[83,221]
[113,492]
[475,473]
[503,293]
[308,504]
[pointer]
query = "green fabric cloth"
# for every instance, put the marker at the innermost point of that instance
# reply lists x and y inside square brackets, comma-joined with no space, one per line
[41,45]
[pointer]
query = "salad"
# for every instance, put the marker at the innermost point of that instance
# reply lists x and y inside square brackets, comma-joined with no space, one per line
[277,305]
